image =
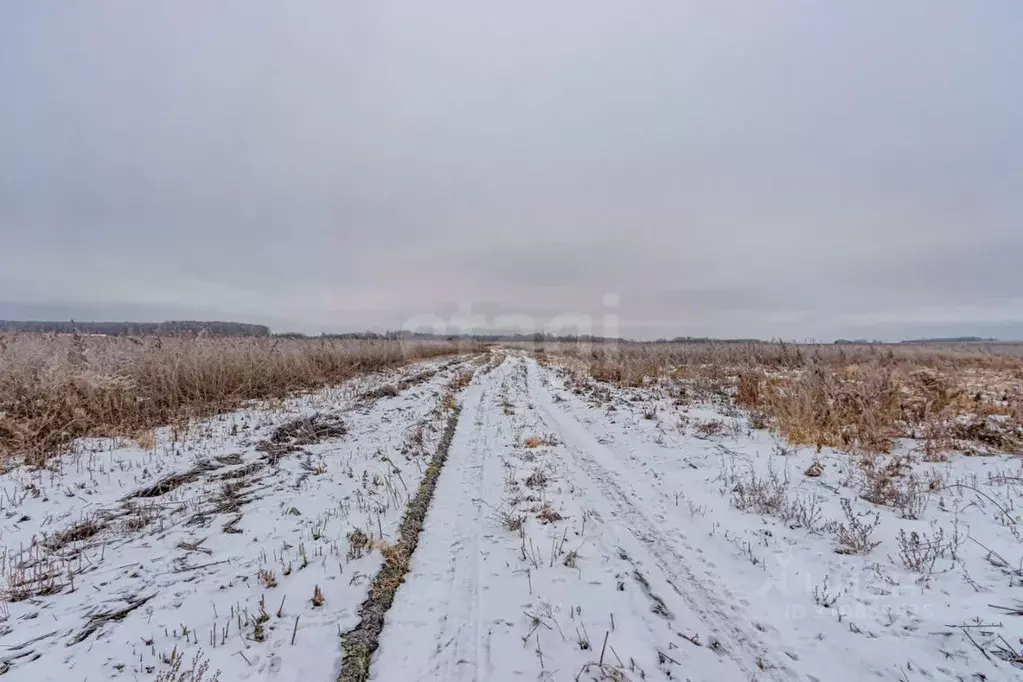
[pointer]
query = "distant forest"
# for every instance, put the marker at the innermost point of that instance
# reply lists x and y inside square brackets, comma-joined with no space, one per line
[505,338]
[172,328]
[217,328]
[951,339]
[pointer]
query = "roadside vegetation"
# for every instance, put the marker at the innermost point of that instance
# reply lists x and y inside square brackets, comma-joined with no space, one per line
[904,460]
[848,397]
[55,388]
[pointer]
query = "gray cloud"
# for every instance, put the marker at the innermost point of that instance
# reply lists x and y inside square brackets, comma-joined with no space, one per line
[784,169]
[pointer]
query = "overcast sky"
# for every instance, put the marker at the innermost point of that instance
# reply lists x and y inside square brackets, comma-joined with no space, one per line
[795,169]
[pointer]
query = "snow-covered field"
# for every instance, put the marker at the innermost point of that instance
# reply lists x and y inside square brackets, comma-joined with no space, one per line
[212,547]
[593,533]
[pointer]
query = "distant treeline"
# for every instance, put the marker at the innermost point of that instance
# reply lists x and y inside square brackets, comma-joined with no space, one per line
[951,339]
[857,342]
[504,338]
[585,338]
[217,328]
[172,328]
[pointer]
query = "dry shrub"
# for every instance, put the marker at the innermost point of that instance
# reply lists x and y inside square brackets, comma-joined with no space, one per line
[617,366]
[822,408]
[993,434]
[770,495]
[930,394]
[758,420]
[55,388]
[919,552]
[937,441]
[748,391]
[767,495]
[198,672]
[512,521]
[889,483]
[854,536]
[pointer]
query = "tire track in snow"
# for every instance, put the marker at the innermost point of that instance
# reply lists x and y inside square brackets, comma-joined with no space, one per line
[614,490]
[453,538]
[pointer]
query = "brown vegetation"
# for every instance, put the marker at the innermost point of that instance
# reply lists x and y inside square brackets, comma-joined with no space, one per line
[55,388]
[850,397]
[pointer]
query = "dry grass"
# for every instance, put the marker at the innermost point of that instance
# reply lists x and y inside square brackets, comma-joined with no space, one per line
[55,388]
[461,380]
[533,442]
[849,397]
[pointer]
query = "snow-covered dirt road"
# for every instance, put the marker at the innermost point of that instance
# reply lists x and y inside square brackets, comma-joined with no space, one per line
[576,532]
[572,541]
[538,546]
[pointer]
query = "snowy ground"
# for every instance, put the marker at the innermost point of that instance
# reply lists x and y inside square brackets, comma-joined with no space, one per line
[562,521]
[576,532]
[120,562]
